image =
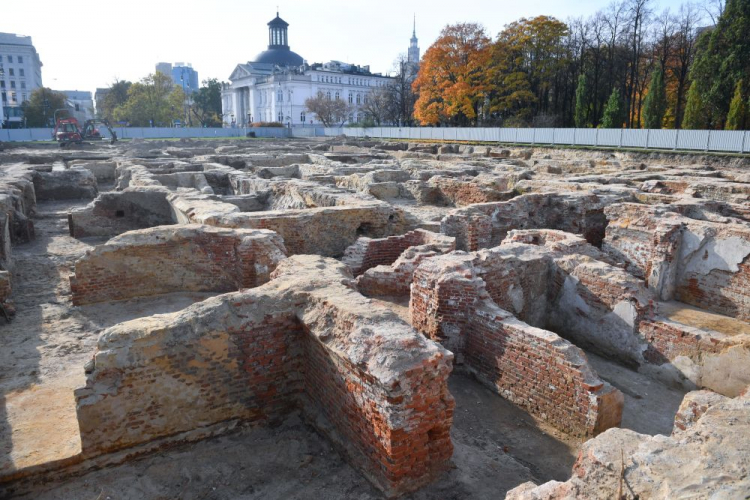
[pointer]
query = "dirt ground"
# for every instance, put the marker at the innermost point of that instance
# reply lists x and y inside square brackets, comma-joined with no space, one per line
[49,341]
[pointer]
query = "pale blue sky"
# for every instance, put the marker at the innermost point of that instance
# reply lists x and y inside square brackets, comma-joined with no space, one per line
[86,44]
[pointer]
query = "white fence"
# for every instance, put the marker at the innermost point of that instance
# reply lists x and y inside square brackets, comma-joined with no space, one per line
[45,134]
[691,140]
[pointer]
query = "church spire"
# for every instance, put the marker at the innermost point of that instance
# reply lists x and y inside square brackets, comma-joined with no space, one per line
[413,54]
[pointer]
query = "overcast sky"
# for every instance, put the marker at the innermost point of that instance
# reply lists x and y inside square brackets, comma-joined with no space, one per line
[84,44]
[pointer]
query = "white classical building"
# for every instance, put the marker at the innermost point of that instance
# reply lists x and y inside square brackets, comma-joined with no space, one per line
[274,86]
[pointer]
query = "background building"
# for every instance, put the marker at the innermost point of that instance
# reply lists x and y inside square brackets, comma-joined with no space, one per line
[20,75]
[99,96]
[275,85]
[80,104]
[183,75]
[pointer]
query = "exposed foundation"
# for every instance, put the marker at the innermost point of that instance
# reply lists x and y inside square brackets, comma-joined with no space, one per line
[368,319]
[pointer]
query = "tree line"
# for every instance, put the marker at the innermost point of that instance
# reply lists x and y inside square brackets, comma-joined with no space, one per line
[624,66]
[156,101]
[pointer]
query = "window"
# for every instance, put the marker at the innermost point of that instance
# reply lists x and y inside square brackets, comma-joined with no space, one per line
[23,85]
[281,116]
[10,59]
[280,96]
[24,98]
[12,85]
[302,117]
[351,98]
[289,96]
[20,72]
[13,97]
[20,61]
[366,99]
[2,84]
[11,72]
[5,97]
[351,117]
[359,99]
[337,96]
[328,95]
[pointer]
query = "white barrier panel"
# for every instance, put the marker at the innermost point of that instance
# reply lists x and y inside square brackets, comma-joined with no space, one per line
[609,137]
[525,135]
[726,140]
[632,138]
[544,136]
[662,139]
[585,137]
[696,140]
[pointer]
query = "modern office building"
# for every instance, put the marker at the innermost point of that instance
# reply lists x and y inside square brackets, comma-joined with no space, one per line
[183,75]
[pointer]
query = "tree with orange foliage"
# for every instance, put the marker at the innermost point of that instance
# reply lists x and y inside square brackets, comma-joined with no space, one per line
[452,79]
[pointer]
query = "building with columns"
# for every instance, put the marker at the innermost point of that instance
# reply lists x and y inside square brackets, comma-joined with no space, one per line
[273,86]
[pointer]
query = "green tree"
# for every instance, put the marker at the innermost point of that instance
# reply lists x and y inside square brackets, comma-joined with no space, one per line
[723,58]
[117,96]
[206,106]
[582,103]
[40,109]
[696,114]
[737,117]
[614,111]
[154,100]
[655,104]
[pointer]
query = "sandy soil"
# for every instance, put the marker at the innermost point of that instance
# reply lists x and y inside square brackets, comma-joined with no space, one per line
[49,341]
[497,447]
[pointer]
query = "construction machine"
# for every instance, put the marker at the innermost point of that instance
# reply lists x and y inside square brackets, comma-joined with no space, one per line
[91,132]
[68,131]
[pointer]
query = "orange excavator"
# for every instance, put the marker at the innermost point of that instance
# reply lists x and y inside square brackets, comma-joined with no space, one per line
[67,131]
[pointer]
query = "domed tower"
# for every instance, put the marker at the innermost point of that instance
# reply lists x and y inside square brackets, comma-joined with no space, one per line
[278,52]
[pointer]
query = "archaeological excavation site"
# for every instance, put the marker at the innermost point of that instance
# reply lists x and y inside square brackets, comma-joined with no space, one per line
[339,318]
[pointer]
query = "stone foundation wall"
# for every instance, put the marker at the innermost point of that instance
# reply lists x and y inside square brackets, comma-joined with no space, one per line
[702,263]
[304,340]
[114,213]
[578,213]
[170,259]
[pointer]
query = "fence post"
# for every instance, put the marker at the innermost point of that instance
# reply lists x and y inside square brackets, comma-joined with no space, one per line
[574,137]
[622,132]
[708,140]
[648,136]
[533,137]
[516,137]
[597,138]
[744,140]
[676,140]
[553,137]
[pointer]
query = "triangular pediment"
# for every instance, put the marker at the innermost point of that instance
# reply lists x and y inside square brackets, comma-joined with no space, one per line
[240,71]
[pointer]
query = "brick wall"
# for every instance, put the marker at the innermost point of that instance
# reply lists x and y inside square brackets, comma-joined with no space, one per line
[534,368]
[719,291]
[175,259]
[176,384]
[397,456]
[668,340]
[373,385]
[367,253]
[395,280]
[540,372]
